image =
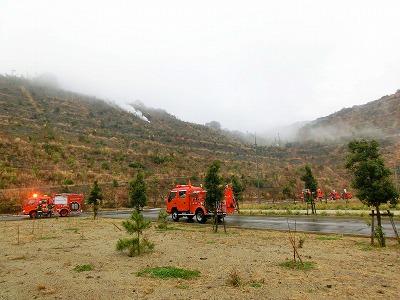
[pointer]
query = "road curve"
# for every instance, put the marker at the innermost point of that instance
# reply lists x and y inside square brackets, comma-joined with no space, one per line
[320,224]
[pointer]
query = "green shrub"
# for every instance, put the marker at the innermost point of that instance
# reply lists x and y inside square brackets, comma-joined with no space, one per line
[51,149]
[68,181]
[135,165]
[83,268]
[162,219]
[134,246]
[169,272]
[157,159]
[290,264]
[105,165]
[380,235]
[255,284]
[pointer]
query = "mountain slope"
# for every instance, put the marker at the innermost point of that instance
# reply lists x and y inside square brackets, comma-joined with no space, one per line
[51,140]
[378,119]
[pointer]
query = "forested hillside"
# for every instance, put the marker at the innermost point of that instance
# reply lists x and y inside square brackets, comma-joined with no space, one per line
[53,140]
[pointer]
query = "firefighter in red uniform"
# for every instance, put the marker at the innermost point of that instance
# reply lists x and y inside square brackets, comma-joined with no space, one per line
[43,208]
[39,209]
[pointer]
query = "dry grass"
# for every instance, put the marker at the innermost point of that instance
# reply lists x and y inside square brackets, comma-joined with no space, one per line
[234,278]
[345,265]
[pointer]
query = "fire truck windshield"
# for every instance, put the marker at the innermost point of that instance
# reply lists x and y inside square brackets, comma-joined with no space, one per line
[171,196]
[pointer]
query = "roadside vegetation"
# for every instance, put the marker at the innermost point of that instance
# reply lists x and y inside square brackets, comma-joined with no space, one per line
[95,198]
[162,220]
[353,204]
[137,192]
[372,180]
[215,193]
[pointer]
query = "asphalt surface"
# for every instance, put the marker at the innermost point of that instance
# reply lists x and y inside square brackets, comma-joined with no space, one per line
[321,224]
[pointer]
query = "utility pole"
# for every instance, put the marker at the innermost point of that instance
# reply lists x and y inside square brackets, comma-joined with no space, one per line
[258,178]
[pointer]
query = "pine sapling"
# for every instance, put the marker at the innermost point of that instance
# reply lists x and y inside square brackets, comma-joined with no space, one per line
[162,220]
[136,245]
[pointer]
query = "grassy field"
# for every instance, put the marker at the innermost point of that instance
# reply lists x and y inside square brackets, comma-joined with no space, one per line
[353,204]
[75,258]
[337,208]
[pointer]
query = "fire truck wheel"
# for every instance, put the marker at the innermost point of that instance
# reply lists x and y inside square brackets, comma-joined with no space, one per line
[63,213]
[175,216]
[33,214]
[200,218]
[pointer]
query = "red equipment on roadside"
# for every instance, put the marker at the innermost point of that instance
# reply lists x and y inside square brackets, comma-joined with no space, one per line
[346,195]
[45,206]
[320,194]
[334,195]
[189,201]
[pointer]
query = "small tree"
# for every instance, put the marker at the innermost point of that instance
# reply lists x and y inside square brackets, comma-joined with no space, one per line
[289,190]
[134,245]
[94,199]
[114,187]
[238,189]
[371,178]
[309,180]
[137,192]
[310,183]
[162,219]
[215,192]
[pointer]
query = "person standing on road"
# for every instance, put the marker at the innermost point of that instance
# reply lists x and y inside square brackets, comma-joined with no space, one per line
[39,209]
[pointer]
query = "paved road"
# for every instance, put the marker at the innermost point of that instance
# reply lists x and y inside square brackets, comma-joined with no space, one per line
[339,225]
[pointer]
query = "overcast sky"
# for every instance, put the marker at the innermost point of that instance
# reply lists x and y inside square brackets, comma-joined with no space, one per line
[250,65]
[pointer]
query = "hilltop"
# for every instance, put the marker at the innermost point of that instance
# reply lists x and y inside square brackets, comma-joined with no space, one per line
[53,137]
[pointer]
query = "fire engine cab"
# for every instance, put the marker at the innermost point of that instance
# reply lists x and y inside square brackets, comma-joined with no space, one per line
[62,204]
[189,201]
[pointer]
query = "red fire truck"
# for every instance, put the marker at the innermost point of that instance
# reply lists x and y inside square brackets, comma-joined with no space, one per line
[44,205]
[189,201]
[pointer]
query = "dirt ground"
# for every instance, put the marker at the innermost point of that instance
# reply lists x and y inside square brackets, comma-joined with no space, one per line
[42,264]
